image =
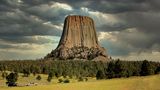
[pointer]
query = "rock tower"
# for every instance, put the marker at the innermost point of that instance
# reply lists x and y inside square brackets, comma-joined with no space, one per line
[78,41]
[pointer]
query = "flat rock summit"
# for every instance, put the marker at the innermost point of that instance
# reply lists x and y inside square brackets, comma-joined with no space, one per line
[78,41]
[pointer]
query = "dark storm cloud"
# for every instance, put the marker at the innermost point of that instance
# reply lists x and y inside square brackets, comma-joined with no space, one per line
[46,12]
[19,23]
[145,21]
[114,27]
[130,41]
[110,6]
[147,26]
[10,3]
[142,15]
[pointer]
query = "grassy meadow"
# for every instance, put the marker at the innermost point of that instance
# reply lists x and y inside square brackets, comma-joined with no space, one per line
[132,83]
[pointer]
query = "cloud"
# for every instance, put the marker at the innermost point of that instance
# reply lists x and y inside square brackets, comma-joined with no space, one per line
[6,46]
[124,43]
[145,21]
[53,11]
[28,39]
[21,51]
[126,28]
[153,56]
[19,23]
[110,6]
[62,6]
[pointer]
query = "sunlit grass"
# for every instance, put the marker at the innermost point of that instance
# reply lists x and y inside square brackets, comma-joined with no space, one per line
[133,83]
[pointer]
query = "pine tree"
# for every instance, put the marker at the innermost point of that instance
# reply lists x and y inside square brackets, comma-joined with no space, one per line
[146,68]
[100,75]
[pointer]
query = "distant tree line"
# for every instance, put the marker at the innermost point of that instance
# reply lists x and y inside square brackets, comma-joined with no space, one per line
[79,69]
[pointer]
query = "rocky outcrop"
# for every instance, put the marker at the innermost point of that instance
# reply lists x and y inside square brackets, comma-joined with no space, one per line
[78,40]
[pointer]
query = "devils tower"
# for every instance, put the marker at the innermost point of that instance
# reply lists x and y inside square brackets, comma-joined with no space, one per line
[78,41]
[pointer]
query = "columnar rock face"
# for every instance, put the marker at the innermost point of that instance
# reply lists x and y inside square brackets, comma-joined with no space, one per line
[78,40]
[79,31]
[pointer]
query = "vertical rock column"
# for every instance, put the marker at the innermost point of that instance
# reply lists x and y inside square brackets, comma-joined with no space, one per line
[78,40]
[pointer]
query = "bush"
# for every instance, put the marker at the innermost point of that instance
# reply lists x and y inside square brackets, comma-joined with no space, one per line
[60,80]
[11,79]
[80,79]
[86,79]
[26,73]
[66,81]
[50,75]
[38,77]
[49,79]
[12,84]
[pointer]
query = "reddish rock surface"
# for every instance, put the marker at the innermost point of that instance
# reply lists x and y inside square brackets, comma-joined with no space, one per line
[78,40]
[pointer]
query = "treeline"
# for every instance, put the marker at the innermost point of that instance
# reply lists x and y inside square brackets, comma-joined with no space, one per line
[101,70]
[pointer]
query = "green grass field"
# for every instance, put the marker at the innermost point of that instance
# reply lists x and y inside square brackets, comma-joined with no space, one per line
[133,83]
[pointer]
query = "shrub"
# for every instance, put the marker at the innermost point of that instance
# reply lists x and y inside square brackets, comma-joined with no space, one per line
[86,79]
[50,75]
[26,73]
[38,77]
[66,81]
[60,80]
[49,79]
[11,79]
[80,79]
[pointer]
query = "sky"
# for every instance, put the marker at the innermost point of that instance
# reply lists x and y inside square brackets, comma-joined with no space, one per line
[128,29]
